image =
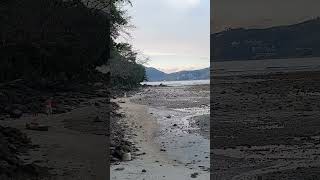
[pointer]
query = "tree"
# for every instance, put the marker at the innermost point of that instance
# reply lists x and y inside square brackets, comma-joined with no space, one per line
[52,39]
[127,68]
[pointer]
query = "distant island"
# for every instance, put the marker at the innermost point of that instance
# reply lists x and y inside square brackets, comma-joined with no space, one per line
[293,41]
[154,74]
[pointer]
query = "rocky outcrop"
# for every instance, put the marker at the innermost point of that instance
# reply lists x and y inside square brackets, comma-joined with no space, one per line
[13,143]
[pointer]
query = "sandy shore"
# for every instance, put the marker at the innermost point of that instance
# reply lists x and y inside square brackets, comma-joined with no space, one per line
[74,147]
[152,115]
[266,126]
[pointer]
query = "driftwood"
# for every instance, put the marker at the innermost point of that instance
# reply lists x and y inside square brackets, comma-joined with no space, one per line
[36,127]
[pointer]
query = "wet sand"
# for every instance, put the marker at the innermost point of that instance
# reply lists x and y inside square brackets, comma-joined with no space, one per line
[266,126]
[170,147]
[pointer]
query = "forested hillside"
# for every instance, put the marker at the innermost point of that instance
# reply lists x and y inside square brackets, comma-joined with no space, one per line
[157,75]
[51,40]
[57,41]
[292,41]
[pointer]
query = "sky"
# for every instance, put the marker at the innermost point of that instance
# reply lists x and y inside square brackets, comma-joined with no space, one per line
[174,34]
[260,13]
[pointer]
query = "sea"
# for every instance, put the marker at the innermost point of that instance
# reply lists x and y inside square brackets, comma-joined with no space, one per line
[178,83]
[250,67]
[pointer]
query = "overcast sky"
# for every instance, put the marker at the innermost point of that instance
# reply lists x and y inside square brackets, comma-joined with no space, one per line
[261,13]
[173,33]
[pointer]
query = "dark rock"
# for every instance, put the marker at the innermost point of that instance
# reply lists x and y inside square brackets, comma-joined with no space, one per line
[12,143]
[126,148]
[119,169]
[194,175]
[97,119]
[16,113]
[114,159]
[162,85]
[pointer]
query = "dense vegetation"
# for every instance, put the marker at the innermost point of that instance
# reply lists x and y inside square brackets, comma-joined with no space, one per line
[125,71]
[125,67]
[64,41]
[52,40]
[293,41]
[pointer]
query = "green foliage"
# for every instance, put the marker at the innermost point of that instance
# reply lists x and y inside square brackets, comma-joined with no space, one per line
[119,18]
[125,71]
[61,40]
[51,39]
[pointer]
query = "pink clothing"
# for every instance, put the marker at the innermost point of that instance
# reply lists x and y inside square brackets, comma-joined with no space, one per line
[49,103]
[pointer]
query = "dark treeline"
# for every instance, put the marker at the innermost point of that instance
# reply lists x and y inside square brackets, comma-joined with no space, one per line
[64,41]
[125,70]
[299,40]
[51,39]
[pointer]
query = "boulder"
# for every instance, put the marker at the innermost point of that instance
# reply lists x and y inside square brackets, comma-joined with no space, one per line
[16,113]
[126,157]
[97,119]
[194,175]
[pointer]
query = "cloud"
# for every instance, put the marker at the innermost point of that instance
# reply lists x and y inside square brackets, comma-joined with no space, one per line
[181,68]
[183,4]
[159,54]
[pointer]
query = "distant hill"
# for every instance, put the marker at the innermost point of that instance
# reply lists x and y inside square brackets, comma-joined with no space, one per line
[292,41]
[154,74]
[157,75]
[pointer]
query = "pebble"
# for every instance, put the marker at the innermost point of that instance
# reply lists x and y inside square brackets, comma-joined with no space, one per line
[194,175]
[119,169]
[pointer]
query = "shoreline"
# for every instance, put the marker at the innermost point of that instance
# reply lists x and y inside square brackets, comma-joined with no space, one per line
[158,161]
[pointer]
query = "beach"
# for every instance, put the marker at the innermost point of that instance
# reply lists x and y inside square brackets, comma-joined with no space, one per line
[265,126]
[164,125]
[75,145]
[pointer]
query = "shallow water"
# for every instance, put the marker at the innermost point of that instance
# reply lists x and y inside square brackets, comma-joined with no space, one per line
[181,144]
[265,66]
[177,83]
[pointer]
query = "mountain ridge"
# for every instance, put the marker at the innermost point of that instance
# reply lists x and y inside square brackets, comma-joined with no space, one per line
[279,42]
[154,74]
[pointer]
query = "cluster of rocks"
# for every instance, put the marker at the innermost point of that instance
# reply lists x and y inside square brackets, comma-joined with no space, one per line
[121,148]
[13,143]
[19,97]
[121,151]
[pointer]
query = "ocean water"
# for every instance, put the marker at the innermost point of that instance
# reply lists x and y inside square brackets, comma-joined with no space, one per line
[178,83]
[264,66]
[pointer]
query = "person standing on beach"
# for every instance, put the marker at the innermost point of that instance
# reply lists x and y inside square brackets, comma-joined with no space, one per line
[34,120]
[49,106]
